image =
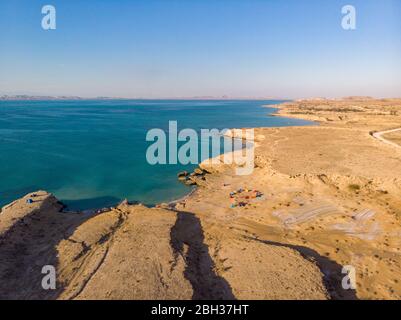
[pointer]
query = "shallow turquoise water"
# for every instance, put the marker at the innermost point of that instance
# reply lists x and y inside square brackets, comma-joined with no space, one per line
[92,154]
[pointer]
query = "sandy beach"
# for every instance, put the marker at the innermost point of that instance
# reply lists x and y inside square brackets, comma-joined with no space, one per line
[321,197]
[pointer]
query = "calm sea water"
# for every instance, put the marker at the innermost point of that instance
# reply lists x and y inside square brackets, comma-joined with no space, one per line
[92,154]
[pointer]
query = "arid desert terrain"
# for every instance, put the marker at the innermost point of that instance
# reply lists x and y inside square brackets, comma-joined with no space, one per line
[321,197]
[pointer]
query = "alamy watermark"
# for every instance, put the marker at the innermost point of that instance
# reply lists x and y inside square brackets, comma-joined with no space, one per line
[349,280]
[236,146]
[348,21]
[49,280]
[49,20]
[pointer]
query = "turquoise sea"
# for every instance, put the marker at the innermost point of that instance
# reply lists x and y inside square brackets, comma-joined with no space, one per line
[92,153]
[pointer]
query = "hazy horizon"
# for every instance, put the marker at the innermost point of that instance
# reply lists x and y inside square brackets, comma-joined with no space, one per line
[194,97]
[185,49]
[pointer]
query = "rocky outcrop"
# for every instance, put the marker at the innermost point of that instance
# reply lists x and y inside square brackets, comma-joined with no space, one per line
[134,252]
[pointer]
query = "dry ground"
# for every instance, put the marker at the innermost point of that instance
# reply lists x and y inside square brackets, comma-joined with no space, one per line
[331,199]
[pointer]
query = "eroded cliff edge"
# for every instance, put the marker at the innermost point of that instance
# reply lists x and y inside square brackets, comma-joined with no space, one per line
[330,198]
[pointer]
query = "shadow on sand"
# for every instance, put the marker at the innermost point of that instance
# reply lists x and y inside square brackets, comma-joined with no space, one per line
[331,270]
[187,240]
[28,246]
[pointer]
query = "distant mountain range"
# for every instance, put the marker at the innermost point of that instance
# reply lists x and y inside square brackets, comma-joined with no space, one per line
[29,97]
[40,97]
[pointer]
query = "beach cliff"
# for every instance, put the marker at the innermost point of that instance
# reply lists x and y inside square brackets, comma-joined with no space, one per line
[320,198]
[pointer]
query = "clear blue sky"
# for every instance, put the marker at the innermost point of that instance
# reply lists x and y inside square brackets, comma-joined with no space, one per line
[171,48]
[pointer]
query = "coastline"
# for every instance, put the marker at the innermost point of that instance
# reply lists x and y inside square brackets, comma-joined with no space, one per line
[334,204]
[163,203]
[101,188]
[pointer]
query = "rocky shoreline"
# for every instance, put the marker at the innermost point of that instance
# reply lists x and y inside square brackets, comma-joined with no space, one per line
[330,199]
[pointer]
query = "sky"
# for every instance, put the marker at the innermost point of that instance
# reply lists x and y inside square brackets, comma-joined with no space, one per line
[196,48]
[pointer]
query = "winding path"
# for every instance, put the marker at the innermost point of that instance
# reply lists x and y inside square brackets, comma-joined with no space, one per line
[379,136]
